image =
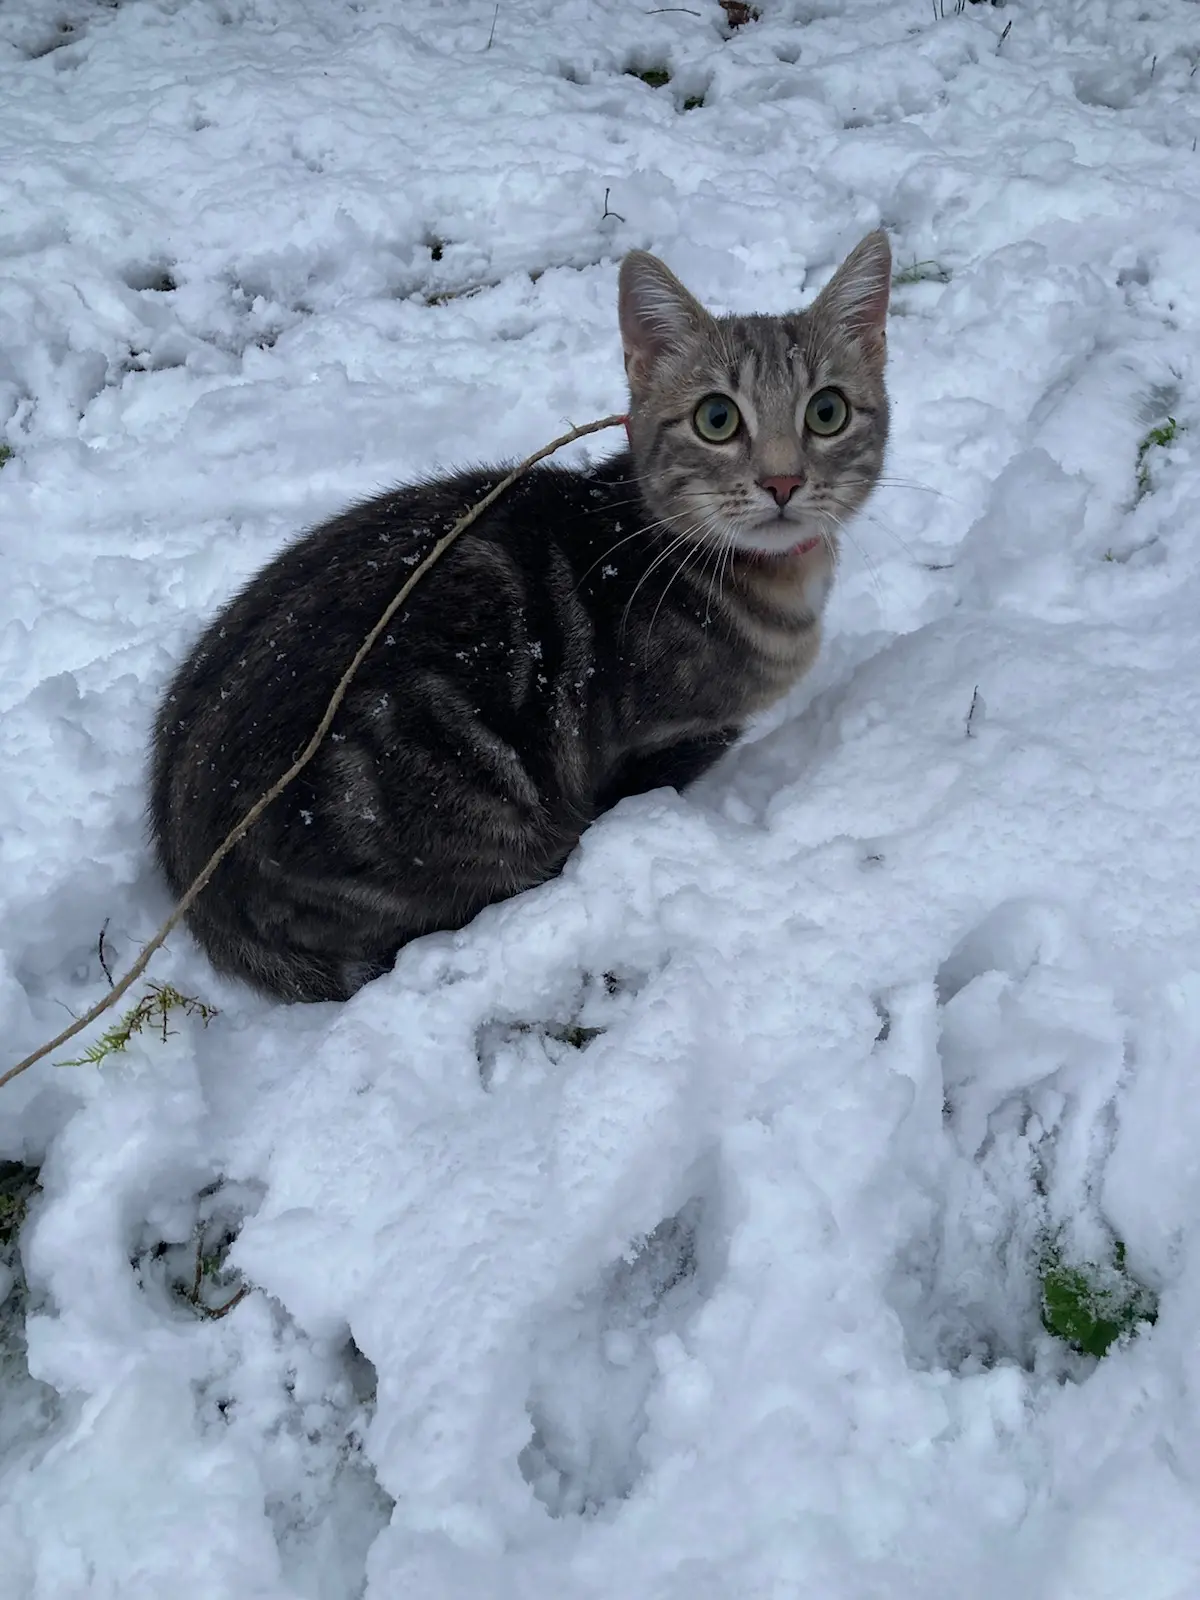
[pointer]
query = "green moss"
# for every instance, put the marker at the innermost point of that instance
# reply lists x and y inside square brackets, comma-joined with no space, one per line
[693,102]
[1158,438]
[656,77]
[6,453]
[1092,1306]
[18,1183]
[155,1009]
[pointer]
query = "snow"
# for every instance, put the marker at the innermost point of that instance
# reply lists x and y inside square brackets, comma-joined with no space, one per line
[675,1230]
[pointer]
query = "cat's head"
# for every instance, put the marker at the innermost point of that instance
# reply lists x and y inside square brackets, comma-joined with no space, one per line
[757,434]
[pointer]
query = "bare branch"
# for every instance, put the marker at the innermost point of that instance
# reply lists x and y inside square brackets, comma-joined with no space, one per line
[100,952]
[607,212]
[213,1312]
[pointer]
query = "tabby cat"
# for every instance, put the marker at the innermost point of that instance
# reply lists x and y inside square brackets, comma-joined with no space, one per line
[601,631]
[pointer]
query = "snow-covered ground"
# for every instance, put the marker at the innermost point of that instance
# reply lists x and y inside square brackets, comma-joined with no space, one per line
[677,1231]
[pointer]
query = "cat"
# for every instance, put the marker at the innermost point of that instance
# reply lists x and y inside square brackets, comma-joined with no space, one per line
[601,631]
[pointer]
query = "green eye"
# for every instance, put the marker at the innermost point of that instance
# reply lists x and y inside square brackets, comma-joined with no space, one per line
[716,418]
[827,412]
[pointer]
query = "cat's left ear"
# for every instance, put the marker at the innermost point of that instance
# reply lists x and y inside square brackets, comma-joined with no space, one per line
[856,297]
[658,315]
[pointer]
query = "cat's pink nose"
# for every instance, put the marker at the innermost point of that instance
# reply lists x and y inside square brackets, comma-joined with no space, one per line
[782,488]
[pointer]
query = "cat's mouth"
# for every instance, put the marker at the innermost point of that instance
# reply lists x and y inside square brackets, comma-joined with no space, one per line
[777,539]
[804,548]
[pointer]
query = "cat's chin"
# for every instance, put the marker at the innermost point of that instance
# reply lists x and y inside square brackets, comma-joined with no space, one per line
[778,541]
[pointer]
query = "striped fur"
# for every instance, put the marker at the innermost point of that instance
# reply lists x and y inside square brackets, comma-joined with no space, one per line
[599,632]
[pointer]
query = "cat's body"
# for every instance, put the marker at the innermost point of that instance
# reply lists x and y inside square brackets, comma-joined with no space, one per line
[597,633]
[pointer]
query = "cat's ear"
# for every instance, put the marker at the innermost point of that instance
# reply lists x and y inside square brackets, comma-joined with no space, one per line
[856,297]
[657,314]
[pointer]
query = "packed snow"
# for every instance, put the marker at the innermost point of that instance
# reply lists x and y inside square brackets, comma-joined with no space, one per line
[679,1230]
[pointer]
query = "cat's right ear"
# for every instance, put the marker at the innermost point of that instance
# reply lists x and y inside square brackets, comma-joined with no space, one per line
[856,298]
[657,314]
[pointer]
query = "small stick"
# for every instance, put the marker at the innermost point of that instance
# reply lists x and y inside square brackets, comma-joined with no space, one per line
[238,832]
[212,1312]
[194,1297]
[607,212]
[100,952]
[492,35]
[971,712]
[223,1311]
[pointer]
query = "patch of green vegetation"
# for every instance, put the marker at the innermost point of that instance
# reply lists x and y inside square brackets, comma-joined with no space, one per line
[574,1034]
[922,272]
[211,1276]
[154,1009]
[656,77]
[18,1183]
[198,1272]
[1158,438]
[570,1033]
[1092,1306]
[693,102]
[6,453]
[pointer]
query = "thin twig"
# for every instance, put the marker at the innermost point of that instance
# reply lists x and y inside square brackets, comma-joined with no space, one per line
[100,952]
[492,35]
[687,10]
[971,712]
[226,1306]
[239,831]
[213,1312]
[194,1297]
[607,212]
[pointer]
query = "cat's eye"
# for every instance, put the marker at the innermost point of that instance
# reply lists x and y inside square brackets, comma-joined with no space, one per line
[826,413]
[716,418]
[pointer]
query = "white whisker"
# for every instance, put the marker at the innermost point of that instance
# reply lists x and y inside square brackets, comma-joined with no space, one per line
[679,539]
[701,550]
